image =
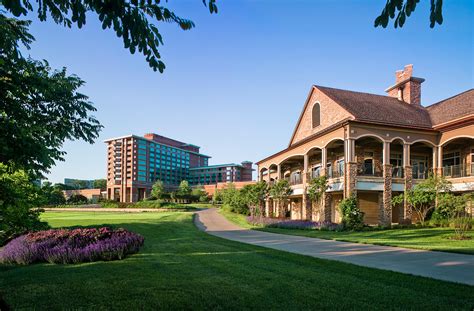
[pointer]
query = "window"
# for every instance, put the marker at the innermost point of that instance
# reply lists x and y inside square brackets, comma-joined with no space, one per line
[369,163]
[316,115]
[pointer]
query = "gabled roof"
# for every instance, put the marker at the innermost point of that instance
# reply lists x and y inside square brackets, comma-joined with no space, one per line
[453,108]
[378,108]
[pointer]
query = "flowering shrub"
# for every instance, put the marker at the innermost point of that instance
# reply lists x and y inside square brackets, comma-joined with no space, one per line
[293,224]
[71,246]
[352,216]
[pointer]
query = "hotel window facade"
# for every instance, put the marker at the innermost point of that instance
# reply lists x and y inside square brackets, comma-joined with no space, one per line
[135,163]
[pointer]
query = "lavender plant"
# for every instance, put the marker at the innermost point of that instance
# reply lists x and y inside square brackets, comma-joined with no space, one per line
[66,246]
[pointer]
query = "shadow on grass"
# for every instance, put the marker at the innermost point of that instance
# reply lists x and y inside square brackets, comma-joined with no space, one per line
[180,267]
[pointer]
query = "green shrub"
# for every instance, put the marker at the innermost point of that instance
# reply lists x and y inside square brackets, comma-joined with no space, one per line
[18,197]
[148,204]
[77,199]
[352,216]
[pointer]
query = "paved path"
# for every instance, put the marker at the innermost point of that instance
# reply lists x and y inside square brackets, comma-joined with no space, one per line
[444,266]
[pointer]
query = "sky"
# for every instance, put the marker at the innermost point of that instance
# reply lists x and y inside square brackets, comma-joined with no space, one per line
[236,83]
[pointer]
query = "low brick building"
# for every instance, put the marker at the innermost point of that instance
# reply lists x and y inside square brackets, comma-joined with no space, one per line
[374,147]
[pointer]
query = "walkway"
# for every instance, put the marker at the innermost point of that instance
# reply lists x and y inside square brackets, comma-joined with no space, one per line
[443,266]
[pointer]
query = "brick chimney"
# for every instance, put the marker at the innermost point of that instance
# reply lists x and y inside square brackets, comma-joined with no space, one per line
[406,88]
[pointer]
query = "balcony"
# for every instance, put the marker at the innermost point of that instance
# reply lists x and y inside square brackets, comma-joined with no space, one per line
[368,169]
[398,172]
[294,180]
[335,172]
[456,171]
[421,172]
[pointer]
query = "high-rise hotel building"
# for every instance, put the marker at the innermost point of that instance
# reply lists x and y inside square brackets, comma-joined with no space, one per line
[134,163]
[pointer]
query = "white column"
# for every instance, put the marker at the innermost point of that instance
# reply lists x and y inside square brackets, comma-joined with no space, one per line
[406,155]
[435,159]
[386,153]
[324,158]
[279,171]
[440,156]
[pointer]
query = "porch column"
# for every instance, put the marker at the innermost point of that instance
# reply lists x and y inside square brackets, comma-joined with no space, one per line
[268,175]
[305,209]
[267,208]
[440,161]
[324,161]
[325,213]
[350,167]
[435,160]
[408,183]
[279,172]
[387,187]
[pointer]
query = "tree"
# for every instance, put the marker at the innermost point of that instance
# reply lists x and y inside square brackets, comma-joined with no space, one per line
[317,187]
[77,199]
[424,197]
[39,107]
[403,10]
[18,197]
[100,184]
[352,216]
[52,195]
[280,191]
[233,200]
[158,189]
[184,189]
[131,20]
[199,194]
[254,196]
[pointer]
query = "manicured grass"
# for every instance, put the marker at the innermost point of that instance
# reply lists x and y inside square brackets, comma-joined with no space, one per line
[436,239]
[238,219]
[182,268]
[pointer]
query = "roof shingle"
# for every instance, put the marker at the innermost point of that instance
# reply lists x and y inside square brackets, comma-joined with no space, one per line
[378,108]
[458,106]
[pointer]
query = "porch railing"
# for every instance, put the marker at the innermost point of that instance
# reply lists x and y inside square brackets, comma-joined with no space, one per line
[461,170]
[294,180]
[312,175]
[421,172]
[335,172]
[368,170]
[398,172]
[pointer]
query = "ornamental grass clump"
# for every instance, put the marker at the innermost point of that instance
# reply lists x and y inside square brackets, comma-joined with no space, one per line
[64,246]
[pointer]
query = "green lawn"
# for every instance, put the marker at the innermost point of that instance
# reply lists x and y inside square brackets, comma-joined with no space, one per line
[436,239]
[182,268]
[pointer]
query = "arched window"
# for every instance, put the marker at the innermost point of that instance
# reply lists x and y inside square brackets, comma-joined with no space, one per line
[316,115]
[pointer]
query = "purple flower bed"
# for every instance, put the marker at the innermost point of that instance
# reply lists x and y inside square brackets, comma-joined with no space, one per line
[71,246]
[293,224]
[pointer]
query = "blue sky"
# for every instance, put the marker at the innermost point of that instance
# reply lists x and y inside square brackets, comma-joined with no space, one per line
[235,84]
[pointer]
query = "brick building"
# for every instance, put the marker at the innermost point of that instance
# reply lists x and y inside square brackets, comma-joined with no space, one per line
[134,163]
[374,147]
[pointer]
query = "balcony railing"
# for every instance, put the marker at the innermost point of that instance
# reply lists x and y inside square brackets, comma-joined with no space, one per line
[455,171]
[398,172]
[335,172]
[295,180]
[368,170]
[421,172]
[313,174]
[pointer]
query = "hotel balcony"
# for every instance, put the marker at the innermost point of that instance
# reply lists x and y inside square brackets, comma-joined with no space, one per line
[456,171]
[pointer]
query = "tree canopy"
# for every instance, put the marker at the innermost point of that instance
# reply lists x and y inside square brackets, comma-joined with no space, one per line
[131,20]
[403,9]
